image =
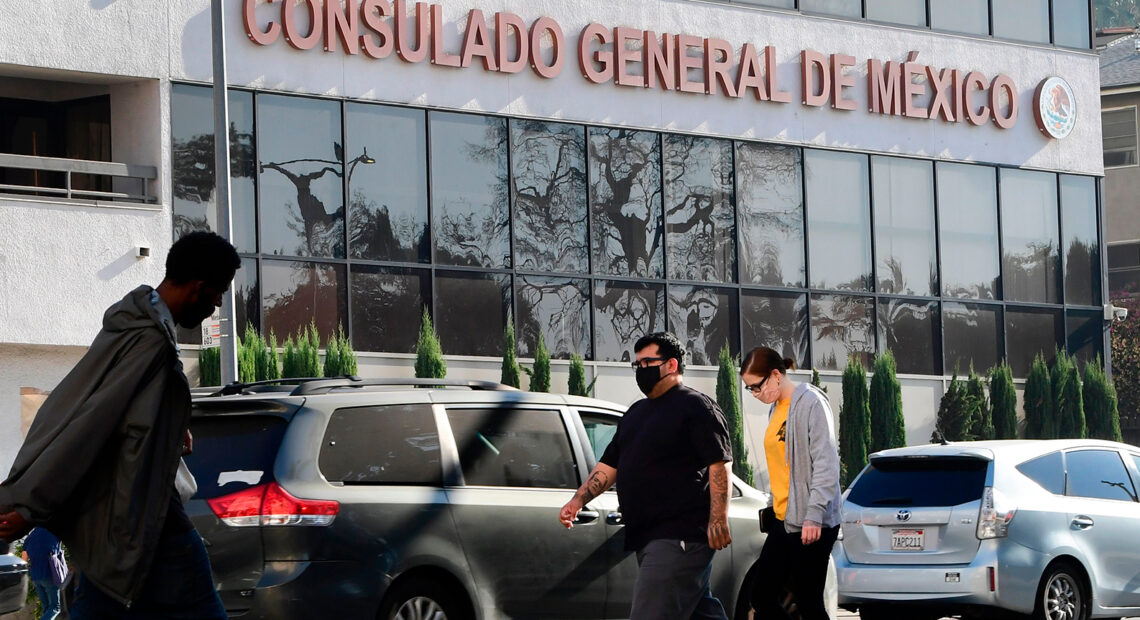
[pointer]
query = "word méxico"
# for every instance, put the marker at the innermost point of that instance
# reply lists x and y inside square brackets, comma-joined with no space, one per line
[631,57]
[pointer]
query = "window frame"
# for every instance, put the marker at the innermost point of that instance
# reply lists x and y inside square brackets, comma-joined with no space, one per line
[1124,465]
[1135,136]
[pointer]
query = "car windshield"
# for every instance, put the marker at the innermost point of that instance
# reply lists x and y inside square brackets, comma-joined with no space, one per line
[919,482]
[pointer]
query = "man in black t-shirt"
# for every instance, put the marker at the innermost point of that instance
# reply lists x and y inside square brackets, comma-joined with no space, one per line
[672,451]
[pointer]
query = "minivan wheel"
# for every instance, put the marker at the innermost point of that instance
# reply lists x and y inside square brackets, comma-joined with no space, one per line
[423,600]
[1061,595]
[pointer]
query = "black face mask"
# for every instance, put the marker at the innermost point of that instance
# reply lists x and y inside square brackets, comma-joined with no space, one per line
[647,378]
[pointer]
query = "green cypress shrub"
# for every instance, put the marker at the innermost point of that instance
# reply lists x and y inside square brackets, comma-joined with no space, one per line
[540,377]
[209,366]
[1003,400]
[888,426]
[332,366]
[272,367]
[1068,403]
[815,381]
[1039,419]
[312,352]
[348,361]
[288,359]
[577,383]
[728,398]
[854,420]
[429,356]
[510,372]
[982,422]
[1101,406]
[247,356]
[956,413]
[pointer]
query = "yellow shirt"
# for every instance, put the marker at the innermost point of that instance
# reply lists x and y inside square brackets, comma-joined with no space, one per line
[775,453]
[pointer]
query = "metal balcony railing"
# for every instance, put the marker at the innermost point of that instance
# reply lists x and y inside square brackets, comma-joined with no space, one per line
[69,167]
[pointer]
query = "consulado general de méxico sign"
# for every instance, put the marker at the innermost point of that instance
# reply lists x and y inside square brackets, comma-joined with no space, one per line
[631,57]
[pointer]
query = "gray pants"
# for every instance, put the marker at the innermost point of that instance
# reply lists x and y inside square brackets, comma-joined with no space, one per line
[673,582]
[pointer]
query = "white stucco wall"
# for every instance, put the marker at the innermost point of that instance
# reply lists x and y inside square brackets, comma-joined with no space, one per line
[21,366]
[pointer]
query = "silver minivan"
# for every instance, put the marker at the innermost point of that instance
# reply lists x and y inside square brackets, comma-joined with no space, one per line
[1047,528]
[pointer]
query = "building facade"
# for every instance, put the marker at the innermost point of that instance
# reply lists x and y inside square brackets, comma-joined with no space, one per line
[833,179]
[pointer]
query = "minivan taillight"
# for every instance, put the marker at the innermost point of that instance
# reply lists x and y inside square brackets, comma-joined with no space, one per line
[269,504]
[994,515]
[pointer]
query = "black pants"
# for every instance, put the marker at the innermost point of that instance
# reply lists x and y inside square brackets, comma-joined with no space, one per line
[786,563]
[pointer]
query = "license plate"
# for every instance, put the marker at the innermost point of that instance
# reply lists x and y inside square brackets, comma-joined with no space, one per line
[908,540]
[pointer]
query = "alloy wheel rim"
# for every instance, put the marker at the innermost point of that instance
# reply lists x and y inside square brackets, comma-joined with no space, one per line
[420,608]
[1062,598]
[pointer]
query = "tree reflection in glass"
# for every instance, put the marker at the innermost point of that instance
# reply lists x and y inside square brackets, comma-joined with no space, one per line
[548,163]
[769,198]
[704,318]
[471,214]
[300,176]
[625,202]
[557,308]
[624,312]
[387,183]
[192,165]
[386,307]
[1031,260]
[842,326]
[972,334]
[777,320]
[903,190]
[1082,254]
[1029,331]
[471,312]
[968,227]
[910,330]
[297,292]
[700,223]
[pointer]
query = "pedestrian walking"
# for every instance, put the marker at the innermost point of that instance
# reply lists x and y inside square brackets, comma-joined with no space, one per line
[803,471]
[670,456]
[98,465]
[47,569]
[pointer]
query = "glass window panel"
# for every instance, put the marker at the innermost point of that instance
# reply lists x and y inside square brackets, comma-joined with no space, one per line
[247,303]
[783,4]
[1031,261]
[301,176]
[972,334]
[1082,248]
[1123,283]
[557,308]
[776,320]
[1119,130]
[506,447]
[625,202]
[1022,20]
[700,223]
[969,16]
[387,183]
[471,312]
[192,165]
[968,225]
[839,220]
[907,12]
[1071,23]
[842,326]
[905,253]
[910,330]
[704,318]
[386,444]
[769,185]
[1047,471]
[548,164]
[387,303]
[1029,331]
[1085,333]
[845,8]
[624,312]
[470,211]
[1123,255]
[295,293]
[1099,474]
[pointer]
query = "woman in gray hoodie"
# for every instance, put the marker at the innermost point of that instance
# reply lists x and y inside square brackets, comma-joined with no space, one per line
[803,471]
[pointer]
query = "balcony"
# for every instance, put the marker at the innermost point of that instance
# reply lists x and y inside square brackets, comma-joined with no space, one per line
[55,179]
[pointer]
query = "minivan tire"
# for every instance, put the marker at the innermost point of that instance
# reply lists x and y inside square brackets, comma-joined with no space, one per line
[1062,594]
[420,599]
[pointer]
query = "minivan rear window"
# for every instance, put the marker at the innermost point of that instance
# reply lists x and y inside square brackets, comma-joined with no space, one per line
[920,481]
[233,452]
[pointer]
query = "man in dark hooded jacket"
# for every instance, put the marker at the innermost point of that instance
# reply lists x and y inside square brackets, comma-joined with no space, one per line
[99,462]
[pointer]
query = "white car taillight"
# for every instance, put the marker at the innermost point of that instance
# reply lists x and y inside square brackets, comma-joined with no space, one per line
[994,515]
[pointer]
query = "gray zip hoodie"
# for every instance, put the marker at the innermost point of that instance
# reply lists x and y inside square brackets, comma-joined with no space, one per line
[813,461]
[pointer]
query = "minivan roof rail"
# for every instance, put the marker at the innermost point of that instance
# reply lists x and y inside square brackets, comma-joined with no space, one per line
[320,385]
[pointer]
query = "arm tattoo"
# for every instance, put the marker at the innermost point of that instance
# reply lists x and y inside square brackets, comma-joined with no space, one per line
[718,489]
[595,486]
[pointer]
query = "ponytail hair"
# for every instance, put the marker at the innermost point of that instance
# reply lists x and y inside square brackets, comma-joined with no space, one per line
[761,361]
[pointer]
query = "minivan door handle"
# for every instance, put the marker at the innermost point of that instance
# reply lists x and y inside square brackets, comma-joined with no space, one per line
[614,518]
[587,516]
[1081,522]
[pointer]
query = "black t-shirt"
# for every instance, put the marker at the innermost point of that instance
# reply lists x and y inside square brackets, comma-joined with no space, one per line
[662,451]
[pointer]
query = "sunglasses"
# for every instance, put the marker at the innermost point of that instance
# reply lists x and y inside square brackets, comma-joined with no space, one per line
[644,362]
